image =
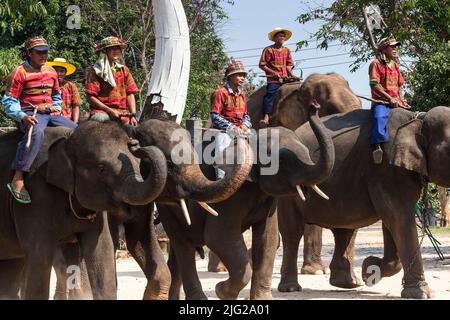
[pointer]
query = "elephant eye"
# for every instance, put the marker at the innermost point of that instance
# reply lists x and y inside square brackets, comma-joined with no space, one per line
[101,168]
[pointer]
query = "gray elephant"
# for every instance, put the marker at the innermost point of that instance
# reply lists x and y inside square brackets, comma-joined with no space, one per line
[362,193]
[76,174]
[253,204]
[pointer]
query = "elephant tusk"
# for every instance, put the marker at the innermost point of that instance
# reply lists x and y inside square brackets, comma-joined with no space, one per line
[208,208]
[300,192]
[319,192]
[185,211]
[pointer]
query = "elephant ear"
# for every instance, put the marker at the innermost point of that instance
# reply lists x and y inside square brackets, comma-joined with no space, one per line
[59,168]
[409,148]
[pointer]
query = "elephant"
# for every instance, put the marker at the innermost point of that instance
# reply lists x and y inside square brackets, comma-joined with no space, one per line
[253,204]
[185,181]
[362,193]
[93,168]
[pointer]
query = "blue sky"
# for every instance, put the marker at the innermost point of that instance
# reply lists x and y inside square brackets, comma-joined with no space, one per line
[251,20]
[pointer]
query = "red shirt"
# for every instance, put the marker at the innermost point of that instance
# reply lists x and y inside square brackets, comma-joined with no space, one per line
[277,60]
[231,106]
[389,78]
[115,98]
[70,99]
[31,85]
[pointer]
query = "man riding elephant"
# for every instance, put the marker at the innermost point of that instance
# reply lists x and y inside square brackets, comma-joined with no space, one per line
[32,85]
[386,83]
[277,62]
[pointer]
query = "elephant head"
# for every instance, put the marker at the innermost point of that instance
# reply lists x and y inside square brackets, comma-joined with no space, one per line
[99,164]
[296,168]
[291,108]
[186,180]
[423,145]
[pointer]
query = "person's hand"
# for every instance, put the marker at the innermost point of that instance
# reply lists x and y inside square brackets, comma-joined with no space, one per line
[29,121]
[244,128]
[133,121]
[114,114]
[394,102]
[236,130]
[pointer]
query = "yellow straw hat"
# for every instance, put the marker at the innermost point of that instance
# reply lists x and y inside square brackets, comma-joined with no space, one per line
[286,32]
[61,62]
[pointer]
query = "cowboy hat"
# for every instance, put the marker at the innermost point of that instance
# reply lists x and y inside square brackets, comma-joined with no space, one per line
[286,32]
[61,62]
[109,42]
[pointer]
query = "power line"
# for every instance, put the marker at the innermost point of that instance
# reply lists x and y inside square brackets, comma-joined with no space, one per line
[320,66]
[286,45]
[305,59]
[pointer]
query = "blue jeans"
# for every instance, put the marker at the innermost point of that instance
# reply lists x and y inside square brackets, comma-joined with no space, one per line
[380,113]
[25,157]
[269,98]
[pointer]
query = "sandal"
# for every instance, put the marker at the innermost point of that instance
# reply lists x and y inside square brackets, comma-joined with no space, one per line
[22,197]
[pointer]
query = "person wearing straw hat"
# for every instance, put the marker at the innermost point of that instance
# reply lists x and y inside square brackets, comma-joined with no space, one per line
[110,87]
[69,92]
[386,83]
[32,95]
[277,62]
[229,109]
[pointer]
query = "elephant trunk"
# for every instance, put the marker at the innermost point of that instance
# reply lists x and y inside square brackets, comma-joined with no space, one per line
[137,191]
[202,189]
[309,173]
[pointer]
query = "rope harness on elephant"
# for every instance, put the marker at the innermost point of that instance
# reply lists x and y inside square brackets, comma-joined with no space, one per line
[90,217]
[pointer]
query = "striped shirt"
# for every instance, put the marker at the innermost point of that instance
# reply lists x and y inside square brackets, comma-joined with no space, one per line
[70,99]
[115,98]
[277,60]
[389,77]
[229,108]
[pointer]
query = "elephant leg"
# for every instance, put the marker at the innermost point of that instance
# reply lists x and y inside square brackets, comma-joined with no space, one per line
[291,226]
[233,253]
[81,289]
[60,267]
[398,216]
[264,248]
[37,271]
[214,263]
[175,285]
[10,278]
[312,249]
[388,266]
[342,274]
[143,245]
[98,252]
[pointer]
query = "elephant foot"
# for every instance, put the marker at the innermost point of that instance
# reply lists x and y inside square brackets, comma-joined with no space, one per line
[60,295]
[344,279]
[262,296]
[374,268]
[155,292]
[418,290]
[314,268]
[223,291]
[289,286]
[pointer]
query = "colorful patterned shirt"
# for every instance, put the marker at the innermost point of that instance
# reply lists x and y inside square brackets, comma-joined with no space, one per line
[229,108]
[389,77]
[28,85]
[115,98]
[277,60]
[70,99]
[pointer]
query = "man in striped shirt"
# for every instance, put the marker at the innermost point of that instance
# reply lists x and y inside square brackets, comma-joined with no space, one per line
[229,109]
[32,84]
[276,61]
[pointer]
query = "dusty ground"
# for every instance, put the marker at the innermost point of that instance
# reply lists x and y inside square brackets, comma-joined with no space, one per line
[369,241]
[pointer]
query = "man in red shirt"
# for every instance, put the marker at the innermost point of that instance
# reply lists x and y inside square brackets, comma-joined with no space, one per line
[71,100]
[386,83]
[229,109]
[110,87]
[276,61]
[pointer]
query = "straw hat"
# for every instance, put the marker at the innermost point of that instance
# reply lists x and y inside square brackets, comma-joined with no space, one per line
[286,32]
[234,67]
[61,62]
[391,42]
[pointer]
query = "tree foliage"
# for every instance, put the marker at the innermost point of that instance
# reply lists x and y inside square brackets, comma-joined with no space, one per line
[421,25]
